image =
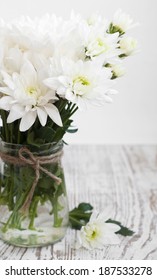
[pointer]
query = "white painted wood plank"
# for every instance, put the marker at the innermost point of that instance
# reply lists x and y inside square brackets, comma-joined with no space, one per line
[123,178]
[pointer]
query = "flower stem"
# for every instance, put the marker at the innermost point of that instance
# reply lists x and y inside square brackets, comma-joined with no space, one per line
[33,212]
[18,137]
[11,132]
[11,195]
[6,132]
[79,223]
[55,212]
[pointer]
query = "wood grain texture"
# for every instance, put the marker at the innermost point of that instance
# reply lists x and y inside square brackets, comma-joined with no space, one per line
[122,179]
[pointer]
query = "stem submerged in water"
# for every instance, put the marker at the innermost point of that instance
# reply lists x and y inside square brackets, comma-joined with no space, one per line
[55,212]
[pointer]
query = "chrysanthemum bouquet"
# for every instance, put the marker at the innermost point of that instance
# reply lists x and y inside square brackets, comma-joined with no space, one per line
[50,68]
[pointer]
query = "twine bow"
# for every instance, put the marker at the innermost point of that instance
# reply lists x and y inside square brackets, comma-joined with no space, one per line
[26,157]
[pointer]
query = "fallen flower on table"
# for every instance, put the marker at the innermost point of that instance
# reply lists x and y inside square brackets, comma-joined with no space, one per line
[96,229]
[96,233]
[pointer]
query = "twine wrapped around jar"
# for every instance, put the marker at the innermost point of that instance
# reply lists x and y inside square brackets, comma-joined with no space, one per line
[36,162]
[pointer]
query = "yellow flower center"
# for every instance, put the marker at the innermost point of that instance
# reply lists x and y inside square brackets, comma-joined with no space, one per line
[81,80]
[103,45]
[94,234]
[100,42]
[32,91]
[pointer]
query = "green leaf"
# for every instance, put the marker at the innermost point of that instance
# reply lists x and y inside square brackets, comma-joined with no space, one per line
[80,215]
[46,183]
[124,230]
[75,223]
[32,140]
[72,130]
[114,29]
[60,131]
[85,206]
[46,133]
[65,143]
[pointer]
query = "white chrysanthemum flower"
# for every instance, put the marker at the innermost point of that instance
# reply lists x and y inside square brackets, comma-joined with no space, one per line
[27,98]
[128,45]
[118,70]
[97,42]
[122,21]
[98,45]
[95,19]
[63,45]
[96,233]
[11,59]
[29,38]
[80,82]
[39,28]
[17,45]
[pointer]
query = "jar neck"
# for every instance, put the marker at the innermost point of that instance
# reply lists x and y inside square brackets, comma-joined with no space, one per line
[44,149]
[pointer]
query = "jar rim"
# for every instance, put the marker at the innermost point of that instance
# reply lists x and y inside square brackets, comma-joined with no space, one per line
[13,146]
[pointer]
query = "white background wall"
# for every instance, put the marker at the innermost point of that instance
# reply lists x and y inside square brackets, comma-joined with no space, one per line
[132,118]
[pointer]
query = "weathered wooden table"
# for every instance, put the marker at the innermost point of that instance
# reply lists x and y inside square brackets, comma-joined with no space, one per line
[123,178]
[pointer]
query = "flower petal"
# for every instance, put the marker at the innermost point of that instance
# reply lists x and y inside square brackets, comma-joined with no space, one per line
[53,113]
[6,90]
[16,112]
[8,80]
[28,73]
[42,115]
[28,120]
[52,83]
[5,102]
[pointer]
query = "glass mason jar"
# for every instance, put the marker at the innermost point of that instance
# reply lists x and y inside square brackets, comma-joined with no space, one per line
[33,202]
